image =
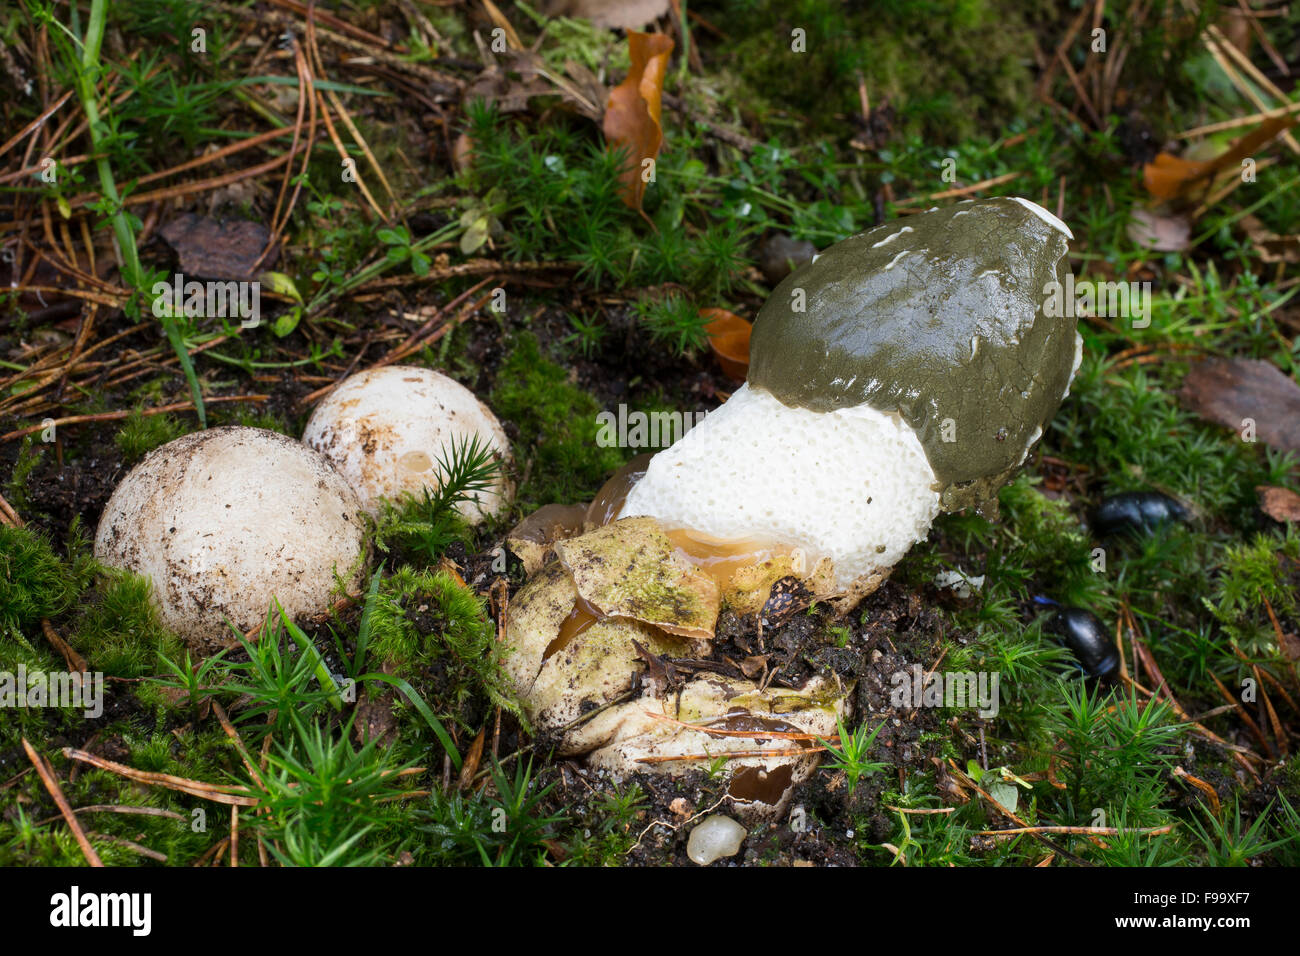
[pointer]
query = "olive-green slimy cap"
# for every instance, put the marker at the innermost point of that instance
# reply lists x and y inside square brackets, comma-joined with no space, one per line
[939,317]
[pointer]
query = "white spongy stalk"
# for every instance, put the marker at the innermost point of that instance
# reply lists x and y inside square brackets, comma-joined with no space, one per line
[853,484]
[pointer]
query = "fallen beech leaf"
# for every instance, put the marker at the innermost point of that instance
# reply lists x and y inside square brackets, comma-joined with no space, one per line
[1244,394]
[1280,504]
[729,339]
[1168,177]
[1158,232]
[633,108]
[209,249]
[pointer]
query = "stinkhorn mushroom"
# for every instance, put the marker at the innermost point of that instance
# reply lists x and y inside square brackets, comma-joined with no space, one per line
[905,371]
[391,430]
[226,522]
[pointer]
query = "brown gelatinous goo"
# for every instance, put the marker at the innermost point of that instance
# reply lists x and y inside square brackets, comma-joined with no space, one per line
[533,538]
[941,317]
[580,619]
[609,500]
[756,785]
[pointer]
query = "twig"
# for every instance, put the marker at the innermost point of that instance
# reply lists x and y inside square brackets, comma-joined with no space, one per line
[732,755]
[117,416]
[1243,714]
[234,835]
[960,191]
[921,811]
[219,793]
[121,808]
[1082,831]
[1202,786]
[7,514]
[756,734]
[1253,120]
[964,779]
[76,663]
[132,846]
[52,785]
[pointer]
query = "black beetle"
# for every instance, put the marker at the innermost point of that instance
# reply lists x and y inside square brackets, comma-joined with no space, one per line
[1136,513]
[1087,640]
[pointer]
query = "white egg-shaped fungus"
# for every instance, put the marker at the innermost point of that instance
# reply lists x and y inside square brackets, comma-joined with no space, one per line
[226,522]
[390,431]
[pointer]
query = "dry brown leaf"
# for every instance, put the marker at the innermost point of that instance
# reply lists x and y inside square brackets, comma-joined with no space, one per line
[1159,233]
[210,249]
[1250,396]
[1167,176]
[729,339]
[1280,504]
[1170,177]
[512,82]
[633,109]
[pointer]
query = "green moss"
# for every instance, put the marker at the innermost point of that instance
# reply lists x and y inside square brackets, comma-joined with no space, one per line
[1044,535]
[557,446]
[120,632]
[1252,573]
[948,67]
[34,839]
[34,582]
[435,633]
[1129,429]
[141,434]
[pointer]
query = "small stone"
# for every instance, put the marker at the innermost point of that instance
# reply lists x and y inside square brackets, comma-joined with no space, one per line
[716,837]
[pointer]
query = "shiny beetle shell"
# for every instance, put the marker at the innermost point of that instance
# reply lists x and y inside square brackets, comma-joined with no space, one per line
[1136,513]
[1087,640]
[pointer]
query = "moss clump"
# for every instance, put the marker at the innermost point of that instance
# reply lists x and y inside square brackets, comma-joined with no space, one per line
[34,581]
[1046,539]
[435,633]
[1261,570]
[119,632]
[919,56]
[557,428]
[141,434]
